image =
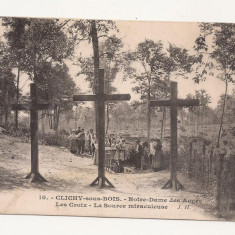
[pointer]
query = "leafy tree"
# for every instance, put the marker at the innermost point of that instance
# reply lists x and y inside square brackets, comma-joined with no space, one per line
[204,100]
[7,85]
[178,63]
[42,42]
[15,49]
[110,59]
[56,86]
[92,31]
[151,67]
[145,66]
[217,43]
[229,108]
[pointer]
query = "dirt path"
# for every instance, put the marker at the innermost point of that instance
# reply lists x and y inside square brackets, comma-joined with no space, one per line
[68,174]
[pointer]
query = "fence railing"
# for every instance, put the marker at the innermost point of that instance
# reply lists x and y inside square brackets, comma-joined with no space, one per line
[212,168]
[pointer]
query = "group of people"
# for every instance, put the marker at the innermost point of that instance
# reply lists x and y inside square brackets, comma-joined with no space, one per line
[149,155]
[81,142]
[86,142]
[118,143]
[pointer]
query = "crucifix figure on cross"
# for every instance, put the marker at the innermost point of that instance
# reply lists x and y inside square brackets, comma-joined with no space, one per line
[100,98]
[174,103]
[33,107]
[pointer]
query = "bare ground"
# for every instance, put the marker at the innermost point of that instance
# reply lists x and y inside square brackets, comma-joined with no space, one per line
[67,173]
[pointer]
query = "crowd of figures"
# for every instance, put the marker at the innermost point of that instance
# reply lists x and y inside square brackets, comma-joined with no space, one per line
[144,155]
[149,155]
[81,142]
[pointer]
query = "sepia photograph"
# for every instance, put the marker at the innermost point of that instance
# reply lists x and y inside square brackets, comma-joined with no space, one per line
[117,118]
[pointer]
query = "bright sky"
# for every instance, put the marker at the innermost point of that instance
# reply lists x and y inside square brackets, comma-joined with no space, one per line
[133,32]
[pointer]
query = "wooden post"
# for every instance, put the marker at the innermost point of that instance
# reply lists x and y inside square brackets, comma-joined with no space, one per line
[190,160]
[34,129]
[34,175]
[101,130]
[174,134]
[34,106]
[174,102]
[100,99]
[219,180]
[162,124]
[210,167]
[203,162]
[17,98]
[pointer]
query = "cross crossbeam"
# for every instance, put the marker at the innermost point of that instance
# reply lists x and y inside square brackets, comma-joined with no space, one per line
[174,103]
[33,107]
[29,106]
[178,103]
[103,97]
[100,98]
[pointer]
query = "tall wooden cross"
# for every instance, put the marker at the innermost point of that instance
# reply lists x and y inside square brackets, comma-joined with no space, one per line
[33,106]
[174,103]
[100,97]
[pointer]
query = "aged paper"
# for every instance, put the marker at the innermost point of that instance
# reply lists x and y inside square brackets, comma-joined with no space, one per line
[117,118]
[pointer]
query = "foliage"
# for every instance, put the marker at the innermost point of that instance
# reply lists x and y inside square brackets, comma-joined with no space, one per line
[203,97]
[56,86]
[151,67]
[203,165]
[7,85]
[41,40]
[16,45]
[221,51]
[221,38]
[145,67]
[92,31]
[110,61]
[180,61]
[39,47]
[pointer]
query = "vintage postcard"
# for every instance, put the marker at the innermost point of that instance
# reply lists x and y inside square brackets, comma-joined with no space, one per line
[117,118]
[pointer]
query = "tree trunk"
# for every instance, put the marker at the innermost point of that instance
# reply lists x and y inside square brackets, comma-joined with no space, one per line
[6,116]
[17,98]
[6,107]
[107,113]
[148,116]
[190,160]
[76,118]
[203,119]
[1,118]
[222,116]
[148,121]
[163,120]
[189,123]
[198,120]
[95,44]
[50,121]
[219,181]
[56,117]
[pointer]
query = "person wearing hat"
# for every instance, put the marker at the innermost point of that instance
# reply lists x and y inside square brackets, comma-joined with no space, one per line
[78,130]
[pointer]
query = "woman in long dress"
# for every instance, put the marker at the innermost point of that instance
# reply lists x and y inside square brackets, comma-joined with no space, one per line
[157,158]
[73,143]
